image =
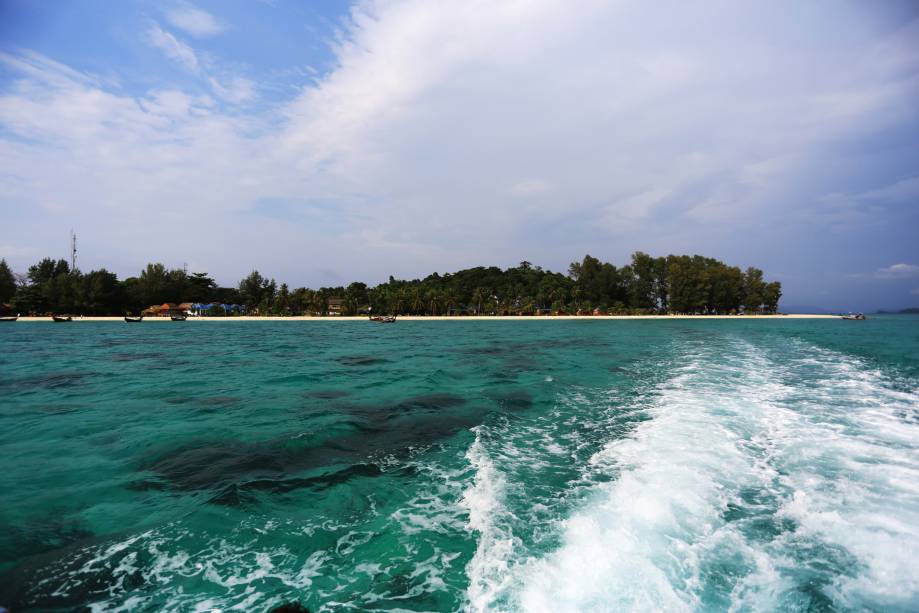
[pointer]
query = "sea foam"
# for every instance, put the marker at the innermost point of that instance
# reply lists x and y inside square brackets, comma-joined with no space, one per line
[750,488]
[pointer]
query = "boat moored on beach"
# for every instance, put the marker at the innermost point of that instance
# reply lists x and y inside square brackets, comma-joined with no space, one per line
[384,319]
[133,320]
[9,318]
[61,318]
[855,317]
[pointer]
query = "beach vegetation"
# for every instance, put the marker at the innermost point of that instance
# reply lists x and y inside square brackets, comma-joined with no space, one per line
[679,284]
[7,282]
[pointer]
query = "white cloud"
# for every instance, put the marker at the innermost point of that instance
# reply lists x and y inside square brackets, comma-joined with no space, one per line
[195,21]
[905,191]
[45,70]
[234,89]
[174,48]
[529,187]
[898,271]
[441,121]
[15,251]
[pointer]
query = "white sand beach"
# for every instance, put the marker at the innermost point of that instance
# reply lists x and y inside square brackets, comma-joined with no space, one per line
[77,319]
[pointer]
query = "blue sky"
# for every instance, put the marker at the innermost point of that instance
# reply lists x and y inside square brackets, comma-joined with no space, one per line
[322,142]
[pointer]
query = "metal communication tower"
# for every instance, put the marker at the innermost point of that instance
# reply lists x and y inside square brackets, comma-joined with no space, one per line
[73,251]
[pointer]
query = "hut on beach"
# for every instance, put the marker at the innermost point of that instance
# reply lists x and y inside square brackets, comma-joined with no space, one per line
[168,309]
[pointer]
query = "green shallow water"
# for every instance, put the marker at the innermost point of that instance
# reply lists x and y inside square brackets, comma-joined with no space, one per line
[443,466]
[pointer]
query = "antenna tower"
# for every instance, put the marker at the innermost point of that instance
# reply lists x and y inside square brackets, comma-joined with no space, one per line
[73,251]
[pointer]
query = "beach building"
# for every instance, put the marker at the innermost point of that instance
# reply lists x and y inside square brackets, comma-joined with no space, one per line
[157,310]
[336,306]
[168,309]
[201,309]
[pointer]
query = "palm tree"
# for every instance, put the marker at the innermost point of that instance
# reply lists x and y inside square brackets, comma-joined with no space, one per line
[320,303]
[417,303]
[434,298]
[576,295]
[526,305]
[479,295]
[401,297]
[450,299]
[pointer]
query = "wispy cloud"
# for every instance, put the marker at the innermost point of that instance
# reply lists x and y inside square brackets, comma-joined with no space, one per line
[15,251]
[905,191]
[529,187]
[235,89]
[195,21]
[174,48]
[232,88]
[901,192]
[898,271]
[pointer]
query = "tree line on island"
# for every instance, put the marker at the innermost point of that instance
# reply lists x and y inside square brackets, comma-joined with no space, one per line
[679,284]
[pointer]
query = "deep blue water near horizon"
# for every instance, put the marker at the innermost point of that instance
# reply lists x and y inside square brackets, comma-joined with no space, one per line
[692,465]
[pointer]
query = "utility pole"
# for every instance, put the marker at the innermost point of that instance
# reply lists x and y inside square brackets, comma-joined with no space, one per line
[73,251]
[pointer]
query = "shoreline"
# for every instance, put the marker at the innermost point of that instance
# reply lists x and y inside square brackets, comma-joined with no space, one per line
[447,318]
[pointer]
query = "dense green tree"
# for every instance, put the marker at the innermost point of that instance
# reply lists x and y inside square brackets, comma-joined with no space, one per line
[642,282]
[282,301]
[754,290]
[727,288]
[771,295]
[153,286]
[7,282]
[597,281]
[51,287]
[356,298]
[199,288]
[256,291]
[46,270]
[100,293]
[676,283]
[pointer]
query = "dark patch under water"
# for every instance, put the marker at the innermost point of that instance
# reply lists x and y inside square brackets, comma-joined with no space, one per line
[238,494]
[203,401]
[431,402]
[327,394]
[361,360]
[233,468]
[515,400]
[53,380]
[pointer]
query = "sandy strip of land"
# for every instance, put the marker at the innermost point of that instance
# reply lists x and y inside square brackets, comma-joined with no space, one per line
[453,318]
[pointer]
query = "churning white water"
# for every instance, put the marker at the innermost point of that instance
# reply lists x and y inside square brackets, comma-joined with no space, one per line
[765,479]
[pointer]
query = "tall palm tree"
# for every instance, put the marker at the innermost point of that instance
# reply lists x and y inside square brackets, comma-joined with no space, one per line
[417,301]
[401,298]
[434,299]
[576,296]
[450,299]
[479,295]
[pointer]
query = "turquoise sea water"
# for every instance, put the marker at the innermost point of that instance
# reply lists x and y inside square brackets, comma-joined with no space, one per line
[477,466]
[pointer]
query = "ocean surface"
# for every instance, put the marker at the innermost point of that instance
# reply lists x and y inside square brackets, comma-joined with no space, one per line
[461,466]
